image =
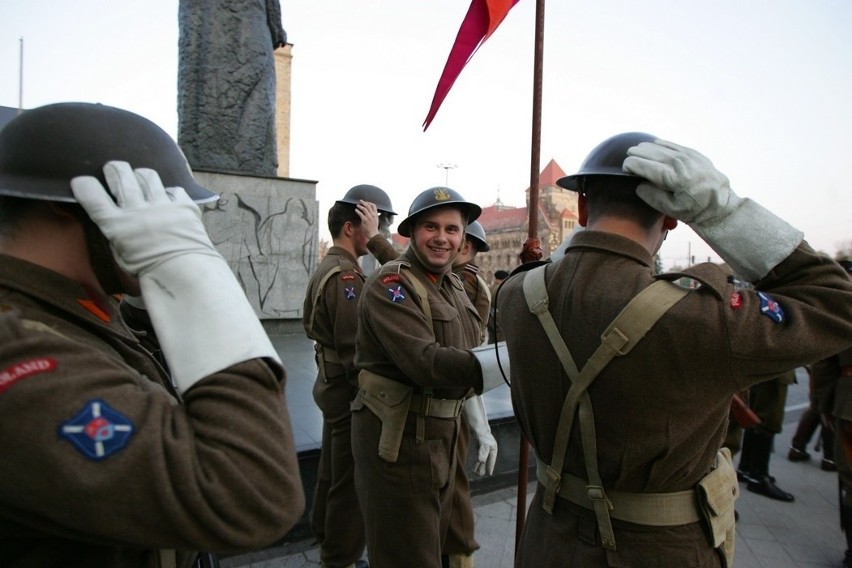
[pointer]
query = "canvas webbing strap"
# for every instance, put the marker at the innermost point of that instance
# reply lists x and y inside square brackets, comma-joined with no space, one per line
[626,330]
[420,435]
[318,295]
[653,509]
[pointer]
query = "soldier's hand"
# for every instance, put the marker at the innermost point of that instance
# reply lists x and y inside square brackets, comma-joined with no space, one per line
[369,215]
[684,183]
[147,224]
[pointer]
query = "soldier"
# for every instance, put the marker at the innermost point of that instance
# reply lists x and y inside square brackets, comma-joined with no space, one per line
[832,382]
[495,333]
[636,478]
[767,400]
[460,543]
[116,463]
[415,329]
[330,318]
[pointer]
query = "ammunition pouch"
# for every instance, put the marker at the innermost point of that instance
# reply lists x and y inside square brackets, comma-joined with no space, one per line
[717,493]
[391,401]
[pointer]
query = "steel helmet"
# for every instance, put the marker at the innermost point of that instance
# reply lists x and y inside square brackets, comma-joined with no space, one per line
[477,234]
[369,193]
[606,159]
[43,148]
[436,197]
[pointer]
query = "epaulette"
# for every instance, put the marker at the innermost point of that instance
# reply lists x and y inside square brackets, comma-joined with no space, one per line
[455,280]
[710,275]
[472,268]
[394,267]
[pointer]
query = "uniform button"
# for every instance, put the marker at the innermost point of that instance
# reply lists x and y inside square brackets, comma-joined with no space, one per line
[382,394]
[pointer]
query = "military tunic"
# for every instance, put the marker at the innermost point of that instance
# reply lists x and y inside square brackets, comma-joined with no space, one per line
[406,503]
[460,534]
[661,411]
[832,381]
[101,461]
[335,515]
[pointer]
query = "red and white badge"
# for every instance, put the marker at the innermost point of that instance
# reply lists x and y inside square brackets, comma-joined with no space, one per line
[11,375]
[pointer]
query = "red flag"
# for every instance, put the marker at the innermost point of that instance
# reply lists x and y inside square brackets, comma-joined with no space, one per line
[481,20]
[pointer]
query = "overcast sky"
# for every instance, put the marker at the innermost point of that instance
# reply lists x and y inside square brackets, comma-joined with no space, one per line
[763,88]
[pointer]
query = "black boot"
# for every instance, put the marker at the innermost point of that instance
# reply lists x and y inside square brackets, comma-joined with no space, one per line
[827,441]
[744,469]
[760,481]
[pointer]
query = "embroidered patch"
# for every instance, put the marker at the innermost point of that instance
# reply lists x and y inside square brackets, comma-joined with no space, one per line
[396,294]
[736,301]
[348,277]
[770,308]
[349,292]
[11,375]
[391,278]
[97,431]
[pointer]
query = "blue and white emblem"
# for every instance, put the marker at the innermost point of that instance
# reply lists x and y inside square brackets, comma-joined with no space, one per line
[770,308]
[396,294]
[349,292]
[97,431]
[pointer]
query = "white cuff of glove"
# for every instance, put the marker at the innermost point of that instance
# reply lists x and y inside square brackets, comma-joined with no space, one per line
[494,361]
[750,238]
[486,457]
[204,321]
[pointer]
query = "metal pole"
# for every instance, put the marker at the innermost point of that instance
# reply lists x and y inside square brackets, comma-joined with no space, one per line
[535,162]
[21,78]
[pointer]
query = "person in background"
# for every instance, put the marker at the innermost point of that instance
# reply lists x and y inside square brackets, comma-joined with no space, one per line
[460,543]
[117,463]
[808,424]
[495,332]
[330,318]
[627,420]
[766,400]
[832,389]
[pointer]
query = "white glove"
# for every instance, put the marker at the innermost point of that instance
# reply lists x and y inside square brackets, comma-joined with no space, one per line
[474,412]
[487,355]
[202,317]
[685,185]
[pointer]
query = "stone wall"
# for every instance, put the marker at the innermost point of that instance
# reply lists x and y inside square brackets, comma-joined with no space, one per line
[266,228]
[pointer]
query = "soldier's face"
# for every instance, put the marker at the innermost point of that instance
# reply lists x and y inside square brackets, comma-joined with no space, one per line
[438,235]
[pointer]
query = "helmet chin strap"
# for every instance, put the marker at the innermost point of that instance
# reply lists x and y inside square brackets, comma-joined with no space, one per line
[100,256]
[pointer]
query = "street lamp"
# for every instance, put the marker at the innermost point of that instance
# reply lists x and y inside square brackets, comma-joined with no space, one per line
[447,167]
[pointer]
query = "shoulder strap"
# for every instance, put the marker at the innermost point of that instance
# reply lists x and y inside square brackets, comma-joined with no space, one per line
[424,295]
[318,295]
[626,330]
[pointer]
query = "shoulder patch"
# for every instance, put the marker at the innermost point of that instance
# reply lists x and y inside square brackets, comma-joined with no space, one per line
[97,431]
[388,278]
[770,308]
[349,292]
[348,277]
[397,294]
[19,371]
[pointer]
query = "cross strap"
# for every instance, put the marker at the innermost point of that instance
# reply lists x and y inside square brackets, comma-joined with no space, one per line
[625,331]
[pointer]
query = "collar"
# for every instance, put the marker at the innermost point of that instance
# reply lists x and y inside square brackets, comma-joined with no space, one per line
[611,243]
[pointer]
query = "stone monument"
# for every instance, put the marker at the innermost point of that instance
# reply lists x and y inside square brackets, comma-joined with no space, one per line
[265,226]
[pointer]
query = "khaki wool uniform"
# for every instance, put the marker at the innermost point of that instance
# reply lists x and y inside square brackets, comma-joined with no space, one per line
[406,503]
[460,535]
[661,411]
[335,515]
[832,380]
[100,459]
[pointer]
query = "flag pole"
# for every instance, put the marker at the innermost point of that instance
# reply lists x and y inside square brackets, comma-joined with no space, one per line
[535,164]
